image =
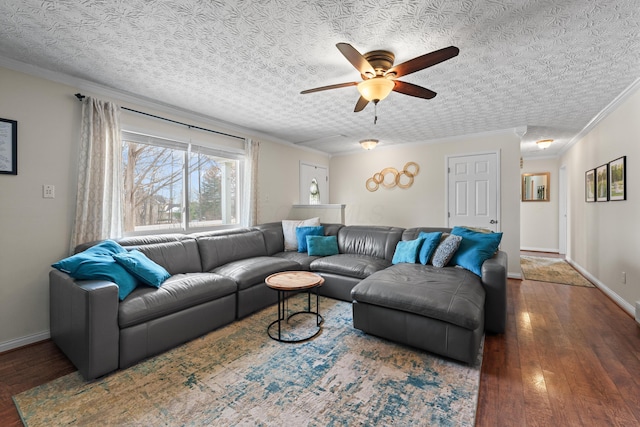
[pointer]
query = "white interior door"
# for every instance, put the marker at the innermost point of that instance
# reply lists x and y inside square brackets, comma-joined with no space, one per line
[473,191]
[307,173]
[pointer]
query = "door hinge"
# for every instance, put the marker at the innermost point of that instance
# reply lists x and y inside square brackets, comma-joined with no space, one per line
[448,214]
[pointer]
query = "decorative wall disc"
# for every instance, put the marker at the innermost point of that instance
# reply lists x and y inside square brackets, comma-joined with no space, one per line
[390,177]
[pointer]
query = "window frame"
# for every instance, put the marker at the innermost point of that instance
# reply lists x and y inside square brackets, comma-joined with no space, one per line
[188,148]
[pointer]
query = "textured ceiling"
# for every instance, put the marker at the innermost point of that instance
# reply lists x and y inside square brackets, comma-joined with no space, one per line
[551,66]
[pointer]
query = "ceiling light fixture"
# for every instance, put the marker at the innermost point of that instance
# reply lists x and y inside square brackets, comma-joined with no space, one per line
[375,89]
[544,143]
[369,144]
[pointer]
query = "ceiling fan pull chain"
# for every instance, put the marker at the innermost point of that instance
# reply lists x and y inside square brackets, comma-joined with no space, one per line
[375,117]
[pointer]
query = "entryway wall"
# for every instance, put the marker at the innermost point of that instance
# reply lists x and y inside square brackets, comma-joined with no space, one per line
[539,221]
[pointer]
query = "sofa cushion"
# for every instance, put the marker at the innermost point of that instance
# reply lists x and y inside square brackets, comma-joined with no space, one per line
[449,294]
[431,242]
[301,258]
[177,293]
[177,257]
[289,231]
[219,250]
[475,248]
[374,241]
[445,250]
[303,232]
[252,271]
[97,263]
[142,268]
[351,265]
[322,245]
[407,251]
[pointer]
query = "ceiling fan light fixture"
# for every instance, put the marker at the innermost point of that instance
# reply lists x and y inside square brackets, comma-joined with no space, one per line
[375,89]
[544,143]
[369,144]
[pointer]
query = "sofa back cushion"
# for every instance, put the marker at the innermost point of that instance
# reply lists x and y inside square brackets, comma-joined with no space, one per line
[177,256]
[217,250]
[273,236]
[375,241]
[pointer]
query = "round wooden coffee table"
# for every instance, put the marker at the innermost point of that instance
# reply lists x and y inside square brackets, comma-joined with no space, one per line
[294,281]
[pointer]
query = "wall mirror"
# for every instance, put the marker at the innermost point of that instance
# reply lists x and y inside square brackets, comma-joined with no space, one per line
[535,187]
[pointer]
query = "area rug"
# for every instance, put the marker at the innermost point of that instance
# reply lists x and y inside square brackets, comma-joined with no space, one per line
[237,375]
[553,270]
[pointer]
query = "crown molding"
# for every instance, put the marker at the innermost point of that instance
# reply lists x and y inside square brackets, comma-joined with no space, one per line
[604,113]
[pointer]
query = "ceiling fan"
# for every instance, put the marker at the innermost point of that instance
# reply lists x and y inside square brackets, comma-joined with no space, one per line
[379,75]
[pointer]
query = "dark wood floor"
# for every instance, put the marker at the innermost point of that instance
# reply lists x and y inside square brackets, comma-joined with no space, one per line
[570,357]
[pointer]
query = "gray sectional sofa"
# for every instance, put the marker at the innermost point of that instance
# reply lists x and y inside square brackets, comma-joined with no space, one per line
[218,277]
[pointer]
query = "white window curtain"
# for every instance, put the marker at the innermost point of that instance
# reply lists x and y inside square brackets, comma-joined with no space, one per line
[99,205]
[250,202]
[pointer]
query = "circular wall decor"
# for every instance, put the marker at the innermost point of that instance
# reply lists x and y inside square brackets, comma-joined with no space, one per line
[390,177]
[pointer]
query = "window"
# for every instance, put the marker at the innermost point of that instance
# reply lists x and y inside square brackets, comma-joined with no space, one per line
[170,185]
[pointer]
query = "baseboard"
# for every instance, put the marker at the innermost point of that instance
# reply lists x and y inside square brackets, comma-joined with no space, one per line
[554,251]
[22,341]
[514,276]
[604,288]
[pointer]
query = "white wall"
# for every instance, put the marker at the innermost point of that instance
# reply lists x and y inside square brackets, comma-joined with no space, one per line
[539,220]
[36,232]
[423,204]
[604,238]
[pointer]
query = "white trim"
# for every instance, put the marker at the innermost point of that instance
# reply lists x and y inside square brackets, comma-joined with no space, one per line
[22,341]
[517,276]
[551,250]
[604,288]
[613,105]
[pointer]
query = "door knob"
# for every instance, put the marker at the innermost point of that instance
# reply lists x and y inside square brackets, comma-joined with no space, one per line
[493,221]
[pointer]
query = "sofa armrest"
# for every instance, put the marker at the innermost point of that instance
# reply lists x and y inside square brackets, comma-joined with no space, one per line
[84,322]
[494,280]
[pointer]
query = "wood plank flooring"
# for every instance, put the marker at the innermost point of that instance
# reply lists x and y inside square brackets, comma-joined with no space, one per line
[570,357]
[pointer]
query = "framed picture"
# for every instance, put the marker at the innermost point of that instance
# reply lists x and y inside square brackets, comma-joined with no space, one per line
[590,186]
[618,179]
[602,183]
[8,147]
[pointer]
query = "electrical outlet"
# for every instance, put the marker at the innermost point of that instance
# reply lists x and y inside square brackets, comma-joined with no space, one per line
[49,191]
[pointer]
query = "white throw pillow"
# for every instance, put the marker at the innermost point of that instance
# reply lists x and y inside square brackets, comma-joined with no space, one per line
[289,231]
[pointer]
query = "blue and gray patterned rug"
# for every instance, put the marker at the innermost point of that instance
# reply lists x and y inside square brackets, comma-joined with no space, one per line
[237,375]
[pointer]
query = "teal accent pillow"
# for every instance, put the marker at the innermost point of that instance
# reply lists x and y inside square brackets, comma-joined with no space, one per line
[475,248]
[97,263]
[303,232]
[142,268]
[407,251]
[445,251]
[322,245]
[429,245]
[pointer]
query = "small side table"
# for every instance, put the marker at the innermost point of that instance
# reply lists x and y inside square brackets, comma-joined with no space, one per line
[289,281]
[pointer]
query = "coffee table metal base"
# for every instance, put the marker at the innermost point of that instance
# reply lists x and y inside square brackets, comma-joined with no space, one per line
[282,317]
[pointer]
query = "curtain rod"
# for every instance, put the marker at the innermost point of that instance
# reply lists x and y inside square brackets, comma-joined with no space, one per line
[81,97]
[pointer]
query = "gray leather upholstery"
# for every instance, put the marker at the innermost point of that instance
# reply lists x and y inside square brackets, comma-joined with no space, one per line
[177,293]
[219,276]
[453,295]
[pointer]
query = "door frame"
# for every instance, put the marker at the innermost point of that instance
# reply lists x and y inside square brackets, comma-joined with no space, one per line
[562,210]
[498,184]
[302,162]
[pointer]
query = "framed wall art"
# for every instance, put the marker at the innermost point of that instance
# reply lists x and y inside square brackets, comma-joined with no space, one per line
[618,179]
[8,147]
[602,183]
[590,186]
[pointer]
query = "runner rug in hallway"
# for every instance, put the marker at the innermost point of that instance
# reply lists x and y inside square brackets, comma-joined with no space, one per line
[237,375]
[554,270]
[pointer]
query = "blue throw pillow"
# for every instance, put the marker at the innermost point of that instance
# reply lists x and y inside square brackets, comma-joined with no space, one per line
[303,232]
[475,248]
[407,251]
[322,245]
[144,269]
[97,263]
[429,245]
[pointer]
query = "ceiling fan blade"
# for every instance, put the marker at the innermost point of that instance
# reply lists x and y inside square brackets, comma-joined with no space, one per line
[339,85]
[424,61]
[413,90]
[356,59]
[362,102]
